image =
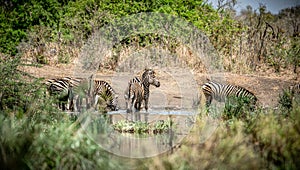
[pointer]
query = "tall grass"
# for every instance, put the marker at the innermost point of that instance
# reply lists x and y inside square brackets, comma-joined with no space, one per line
[36,135]
[262,139]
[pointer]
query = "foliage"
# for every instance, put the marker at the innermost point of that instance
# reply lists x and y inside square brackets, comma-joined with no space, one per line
[34,134]
[277,54]
[285,101]
[20,92]
[237,107]
[68,24]
[162,126]
[277,139]
[53,31]
[294,53]
[24,16]
[140,127]
[34,143]
[265,140]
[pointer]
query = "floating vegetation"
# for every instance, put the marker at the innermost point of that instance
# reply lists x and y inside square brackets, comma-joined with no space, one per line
[139,127]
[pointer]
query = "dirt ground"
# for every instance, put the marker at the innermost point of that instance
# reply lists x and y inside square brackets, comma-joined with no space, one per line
[181,87]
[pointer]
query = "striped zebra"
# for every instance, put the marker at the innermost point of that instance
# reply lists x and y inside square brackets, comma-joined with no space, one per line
[59,87]
[105,91]
[136,99]
[74,90]
[81,93]
[220,92]
[295,89]
[140,86]
[65,88]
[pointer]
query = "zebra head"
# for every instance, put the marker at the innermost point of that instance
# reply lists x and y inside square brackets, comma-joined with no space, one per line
[148,78]
[113,104]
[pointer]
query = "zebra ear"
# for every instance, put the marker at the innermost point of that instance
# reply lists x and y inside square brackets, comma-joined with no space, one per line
[91,77]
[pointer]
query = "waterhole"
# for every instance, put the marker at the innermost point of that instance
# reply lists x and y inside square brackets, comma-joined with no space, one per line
[174,125]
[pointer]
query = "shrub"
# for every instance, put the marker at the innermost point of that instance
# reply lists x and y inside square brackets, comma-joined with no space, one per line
[237,107]
[285,101]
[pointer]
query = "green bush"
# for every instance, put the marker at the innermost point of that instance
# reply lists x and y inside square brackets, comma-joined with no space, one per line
[277,139]
[237,107]
[285,101]
[19,91]
[34,134]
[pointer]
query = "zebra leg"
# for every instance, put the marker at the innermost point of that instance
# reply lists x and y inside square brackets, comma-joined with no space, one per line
[208,100]
[68,104]
[128,108]
[70,99]
[60,105]
[63,106]
[127,102]
[137,113]
[71,105]
[146,104]
[146,108]
[131,108]
[96,102]
[77,103]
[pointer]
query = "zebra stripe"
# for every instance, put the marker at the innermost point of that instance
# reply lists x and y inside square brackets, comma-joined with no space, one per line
[65,88]
[220,92]
[73,90]
[59,87]
[104,90]
[58,84]
[137,97]
[148,78]
[295,89]
[81,93]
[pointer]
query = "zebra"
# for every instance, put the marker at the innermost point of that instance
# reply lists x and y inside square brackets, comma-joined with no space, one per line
[81,90]
[138,90]
[59,87]
[295,89]
[64,88]
[220,92]
[104,90]
[73,90]
[136,98]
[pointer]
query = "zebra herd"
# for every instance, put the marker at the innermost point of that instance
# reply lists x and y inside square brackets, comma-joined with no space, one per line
[70,93]
[138,90]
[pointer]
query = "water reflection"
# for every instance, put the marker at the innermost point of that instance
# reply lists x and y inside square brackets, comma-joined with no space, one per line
[138,145]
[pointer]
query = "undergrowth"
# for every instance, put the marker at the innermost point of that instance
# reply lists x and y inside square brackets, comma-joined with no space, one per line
[36,135]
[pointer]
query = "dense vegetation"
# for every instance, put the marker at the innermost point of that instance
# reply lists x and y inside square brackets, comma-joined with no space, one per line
[34,134]
[53,31]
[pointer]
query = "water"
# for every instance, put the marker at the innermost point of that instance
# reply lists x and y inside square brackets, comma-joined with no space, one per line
[145,145]
[159,112]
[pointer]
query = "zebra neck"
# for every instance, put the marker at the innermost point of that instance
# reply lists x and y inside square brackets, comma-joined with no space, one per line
[146,88]
[146,85]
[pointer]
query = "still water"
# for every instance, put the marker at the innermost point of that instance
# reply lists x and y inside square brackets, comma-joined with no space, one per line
[134,145]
